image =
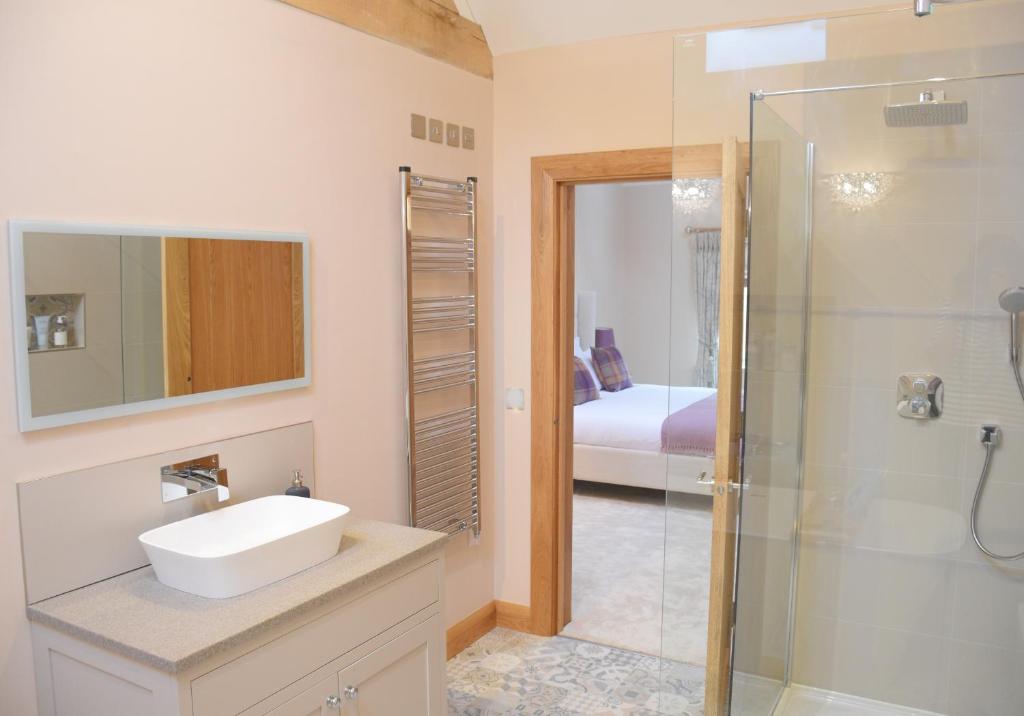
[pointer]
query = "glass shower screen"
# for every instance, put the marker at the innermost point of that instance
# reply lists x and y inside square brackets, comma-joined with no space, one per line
[880,239]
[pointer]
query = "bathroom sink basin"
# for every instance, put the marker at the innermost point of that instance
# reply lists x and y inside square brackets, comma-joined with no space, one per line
[246,546]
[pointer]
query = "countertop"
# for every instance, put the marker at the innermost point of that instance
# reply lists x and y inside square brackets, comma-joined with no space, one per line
[136,616]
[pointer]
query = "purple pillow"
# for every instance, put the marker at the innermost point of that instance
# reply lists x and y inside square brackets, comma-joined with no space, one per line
[611,368]
[585,389]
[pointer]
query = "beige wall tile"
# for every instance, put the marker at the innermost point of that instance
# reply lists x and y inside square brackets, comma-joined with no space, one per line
[989,605]
[985,681]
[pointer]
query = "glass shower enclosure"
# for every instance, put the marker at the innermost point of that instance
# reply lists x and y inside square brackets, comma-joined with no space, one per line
[888,299]
[882,351]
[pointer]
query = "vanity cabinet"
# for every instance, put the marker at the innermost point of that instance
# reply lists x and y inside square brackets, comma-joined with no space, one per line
[394,679]
[379,650]
[319,700]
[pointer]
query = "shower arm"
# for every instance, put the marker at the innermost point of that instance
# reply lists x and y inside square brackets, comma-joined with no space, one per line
[923,8]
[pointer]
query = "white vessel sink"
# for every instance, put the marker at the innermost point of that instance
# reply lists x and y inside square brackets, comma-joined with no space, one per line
[246,546]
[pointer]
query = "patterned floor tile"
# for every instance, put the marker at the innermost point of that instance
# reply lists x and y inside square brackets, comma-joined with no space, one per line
[510,673]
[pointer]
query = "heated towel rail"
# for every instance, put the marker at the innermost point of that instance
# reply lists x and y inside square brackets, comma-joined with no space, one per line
[442,406]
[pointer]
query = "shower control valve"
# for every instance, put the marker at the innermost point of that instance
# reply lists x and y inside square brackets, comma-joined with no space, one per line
[919,396]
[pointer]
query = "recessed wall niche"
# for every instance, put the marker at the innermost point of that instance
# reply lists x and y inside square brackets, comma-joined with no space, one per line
[56,321]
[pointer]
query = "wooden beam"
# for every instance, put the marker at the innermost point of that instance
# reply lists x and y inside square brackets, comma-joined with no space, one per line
[430,27]
[447,4]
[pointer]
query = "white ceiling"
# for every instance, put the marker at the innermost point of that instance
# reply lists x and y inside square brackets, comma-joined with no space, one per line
[514,25]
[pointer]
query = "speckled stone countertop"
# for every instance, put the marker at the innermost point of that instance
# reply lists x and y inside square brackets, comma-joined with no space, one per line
[135,615]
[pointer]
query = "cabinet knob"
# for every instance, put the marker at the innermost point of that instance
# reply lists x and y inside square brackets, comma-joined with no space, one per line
[351,693]
[333,702]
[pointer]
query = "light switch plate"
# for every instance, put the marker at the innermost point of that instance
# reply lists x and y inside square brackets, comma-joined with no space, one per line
[468,138]
[453,135]
[419,126]
[436,131]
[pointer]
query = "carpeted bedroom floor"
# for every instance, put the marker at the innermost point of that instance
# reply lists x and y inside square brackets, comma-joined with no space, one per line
[619,559]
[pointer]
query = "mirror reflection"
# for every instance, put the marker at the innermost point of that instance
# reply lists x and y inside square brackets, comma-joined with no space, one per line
[115,319]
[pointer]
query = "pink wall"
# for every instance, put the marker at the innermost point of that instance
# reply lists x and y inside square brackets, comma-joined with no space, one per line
[236,114]
[592,96]
[617,93]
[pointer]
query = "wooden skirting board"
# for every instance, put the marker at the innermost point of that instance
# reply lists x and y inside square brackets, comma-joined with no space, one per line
[514,616]
[483,620]
[431,27]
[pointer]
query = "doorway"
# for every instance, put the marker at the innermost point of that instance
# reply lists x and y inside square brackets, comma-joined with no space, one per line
[646,266]
[555,183]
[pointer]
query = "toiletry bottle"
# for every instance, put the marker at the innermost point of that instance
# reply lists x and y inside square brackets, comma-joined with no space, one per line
[297,489]
[60,332]
[42,332]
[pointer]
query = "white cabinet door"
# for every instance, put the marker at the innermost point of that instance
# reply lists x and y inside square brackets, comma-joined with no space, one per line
[319,700]
[404,677]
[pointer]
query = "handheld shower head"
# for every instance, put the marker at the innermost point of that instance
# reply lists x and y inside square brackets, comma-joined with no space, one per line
[1012,301]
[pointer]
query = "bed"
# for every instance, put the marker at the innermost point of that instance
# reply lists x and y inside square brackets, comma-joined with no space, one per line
[636,436]
[645,436]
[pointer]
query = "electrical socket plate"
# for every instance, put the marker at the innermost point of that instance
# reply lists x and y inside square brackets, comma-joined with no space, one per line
[515,399]
[453,135]
[468,138]
[419,126]
[436,131]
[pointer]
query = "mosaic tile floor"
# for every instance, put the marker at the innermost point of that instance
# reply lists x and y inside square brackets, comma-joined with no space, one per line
[506,672]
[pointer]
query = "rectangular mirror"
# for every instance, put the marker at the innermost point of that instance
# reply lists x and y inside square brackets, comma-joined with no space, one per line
[117,320]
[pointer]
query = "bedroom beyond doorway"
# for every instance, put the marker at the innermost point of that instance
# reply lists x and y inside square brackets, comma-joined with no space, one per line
[645,276]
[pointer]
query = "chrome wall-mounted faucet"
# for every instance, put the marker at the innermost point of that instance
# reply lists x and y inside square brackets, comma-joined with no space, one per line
[194,477]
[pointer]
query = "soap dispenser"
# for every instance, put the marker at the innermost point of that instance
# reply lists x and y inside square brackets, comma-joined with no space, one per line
[297,489]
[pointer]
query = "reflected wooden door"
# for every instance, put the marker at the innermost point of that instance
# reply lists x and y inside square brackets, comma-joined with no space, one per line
[232,313]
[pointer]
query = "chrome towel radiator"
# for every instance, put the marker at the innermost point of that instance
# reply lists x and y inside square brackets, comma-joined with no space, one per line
[442,406]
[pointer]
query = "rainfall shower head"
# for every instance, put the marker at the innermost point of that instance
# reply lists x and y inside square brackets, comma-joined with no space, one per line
[932,110]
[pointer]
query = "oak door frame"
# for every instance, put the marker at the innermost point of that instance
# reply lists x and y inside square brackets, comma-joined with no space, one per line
[554,179]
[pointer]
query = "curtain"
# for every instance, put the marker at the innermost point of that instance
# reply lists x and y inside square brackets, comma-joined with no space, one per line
[706,268]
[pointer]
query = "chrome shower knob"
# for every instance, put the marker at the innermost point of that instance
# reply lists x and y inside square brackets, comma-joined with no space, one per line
[919,396]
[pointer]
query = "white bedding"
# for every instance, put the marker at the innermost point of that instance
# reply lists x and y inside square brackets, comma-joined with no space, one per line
[631,419]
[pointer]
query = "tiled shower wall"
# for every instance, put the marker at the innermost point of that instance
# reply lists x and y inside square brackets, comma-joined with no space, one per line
[78,264]
[894,600]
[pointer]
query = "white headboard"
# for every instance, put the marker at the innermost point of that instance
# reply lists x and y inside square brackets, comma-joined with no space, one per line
[586,317]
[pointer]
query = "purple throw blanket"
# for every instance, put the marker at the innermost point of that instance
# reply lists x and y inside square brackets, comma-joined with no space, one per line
[691,431]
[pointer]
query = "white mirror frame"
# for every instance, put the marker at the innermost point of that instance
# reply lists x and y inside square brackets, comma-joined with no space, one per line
[16,238]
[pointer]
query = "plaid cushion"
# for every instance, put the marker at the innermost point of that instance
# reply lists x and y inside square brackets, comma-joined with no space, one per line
[585,387]
[611,368]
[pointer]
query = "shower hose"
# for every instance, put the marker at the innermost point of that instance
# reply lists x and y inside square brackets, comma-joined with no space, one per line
[990,445]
